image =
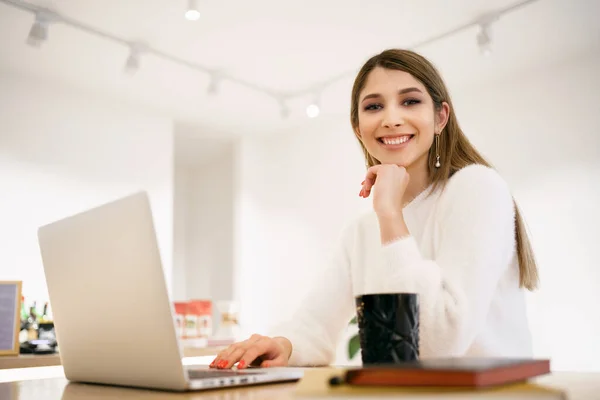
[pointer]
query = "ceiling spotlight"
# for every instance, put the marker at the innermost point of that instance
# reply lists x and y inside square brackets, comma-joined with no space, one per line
[312,111]
[285,110]
[192,13]
[132,64]
[484,40]
[38,33]
[213,85]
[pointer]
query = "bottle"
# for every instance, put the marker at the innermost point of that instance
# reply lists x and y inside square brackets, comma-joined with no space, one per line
[46,324]
[24,331]
[32,329]
[24,313]
[33,311]
[44,316]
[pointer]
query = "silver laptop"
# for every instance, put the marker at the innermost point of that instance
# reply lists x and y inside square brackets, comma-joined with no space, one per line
[113,316]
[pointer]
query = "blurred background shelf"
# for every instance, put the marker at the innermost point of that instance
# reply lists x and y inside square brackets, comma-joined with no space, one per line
[29,361]
[47,360]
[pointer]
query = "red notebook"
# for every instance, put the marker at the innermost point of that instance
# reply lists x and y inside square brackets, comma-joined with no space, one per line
[451,372]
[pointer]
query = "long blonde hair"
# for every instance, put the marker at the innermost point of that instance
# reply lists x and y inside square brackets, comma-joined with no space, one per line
[454,148]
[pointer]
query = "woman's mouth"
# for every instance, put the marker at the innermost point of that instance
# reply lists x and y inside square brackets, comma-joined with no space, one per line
[394,142]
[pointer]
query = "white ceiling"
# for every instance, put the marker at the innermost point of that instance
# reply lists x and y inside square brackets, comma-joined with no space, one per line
[283,46]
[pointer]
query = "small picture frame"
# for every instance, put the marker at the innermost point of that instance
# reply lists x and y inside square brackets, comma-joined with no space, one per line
[10,319]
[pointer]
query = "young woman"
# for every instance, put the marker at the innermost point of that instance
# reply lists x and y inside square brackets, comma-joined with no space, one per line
[444,226]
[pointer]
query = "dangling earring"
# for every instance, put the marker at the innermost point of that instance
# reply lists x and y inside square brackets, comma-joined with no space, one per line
[437,150]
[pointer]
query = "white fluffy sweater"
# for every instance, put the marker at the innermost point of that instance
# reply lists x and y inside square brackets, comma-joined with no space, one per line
[460,259]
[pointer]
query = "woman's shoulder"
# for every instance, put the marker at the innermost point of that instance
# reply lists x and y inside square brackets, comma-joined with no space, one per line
[477,184]
[476,178]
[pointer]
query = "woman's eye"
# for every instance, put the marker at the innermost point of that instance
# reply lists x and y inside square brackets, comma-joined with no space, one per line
[410,102]
[373,107]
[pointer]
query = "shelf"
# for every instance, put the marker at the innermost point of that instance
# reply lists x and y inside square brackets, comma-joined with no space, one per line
[29,361]
[47,360]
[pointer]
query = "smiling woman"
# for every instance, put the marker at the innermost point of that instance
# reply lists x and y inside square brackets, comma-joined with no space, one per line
[397,122]
[401,91]
[444,226]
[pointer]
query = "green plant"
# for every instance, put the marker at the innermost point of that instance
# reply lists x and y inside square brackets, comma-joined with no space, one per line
[354,342]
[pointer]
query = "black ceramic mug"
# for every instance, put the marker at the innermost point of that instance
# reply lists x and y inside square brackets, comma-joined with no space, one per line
[388,327]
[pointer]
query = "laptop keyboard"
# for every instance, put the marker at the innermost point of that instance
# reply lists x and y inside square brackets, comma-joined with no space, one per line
[206,373]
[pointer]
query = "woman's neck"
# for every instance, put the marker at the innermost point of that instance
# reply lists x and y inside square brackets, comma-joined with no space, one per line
[419,181]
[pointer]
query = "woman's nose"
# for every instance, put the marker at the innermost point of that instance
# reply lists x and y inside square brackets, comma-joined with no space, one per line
[392,118]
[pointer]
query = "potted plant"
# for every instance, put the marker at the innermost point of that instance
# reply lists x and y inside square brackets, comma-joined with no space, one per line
[354,342]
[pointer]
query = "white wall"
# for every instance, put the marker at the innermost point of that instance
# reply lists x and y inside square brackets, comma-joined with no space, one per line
[61,152]
[204,228]
[540,130]
[181,212]
[296,191]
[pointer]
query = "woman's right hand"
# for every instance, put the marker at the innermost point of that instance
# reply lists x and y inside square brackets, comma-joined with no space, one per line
[262,351]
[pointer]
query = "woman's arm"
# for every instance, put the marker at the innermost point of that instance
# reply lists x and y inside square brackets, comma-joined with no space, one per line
[475,245]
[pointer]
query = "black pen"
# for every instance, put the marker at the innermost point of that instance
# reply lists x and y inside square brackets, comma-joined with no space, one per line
[336,381]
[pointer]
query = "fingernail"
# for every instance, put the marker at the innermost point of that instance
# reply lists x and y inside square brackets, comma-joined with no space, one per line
[224,363]
[362,183]
[242,364]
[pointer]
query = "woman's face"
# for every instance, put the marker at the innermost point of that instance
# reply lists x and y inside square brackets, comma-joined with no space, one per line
[396,118]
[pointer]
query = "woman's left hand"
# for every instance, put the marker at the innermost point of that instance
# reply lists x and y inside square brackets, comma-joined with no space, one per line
[388,183]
